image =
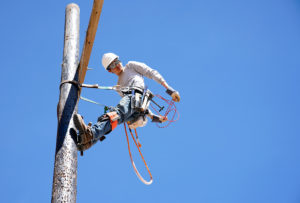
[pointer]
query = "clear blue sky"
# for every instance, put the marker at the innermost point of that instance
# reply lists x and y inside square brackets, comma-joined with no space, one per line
[235,63]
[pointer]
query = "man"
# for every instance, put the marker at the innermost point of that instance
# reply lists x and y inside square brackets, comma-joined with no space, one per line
[133,106]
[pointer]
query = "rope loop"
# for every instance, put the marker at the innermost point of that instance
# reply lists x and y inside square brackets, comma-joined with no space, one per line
[138,145]
[170,110]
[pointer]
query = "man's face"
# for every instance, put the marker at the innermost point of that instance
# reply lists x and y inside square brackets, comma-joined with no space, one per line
[117,70]
[115,67]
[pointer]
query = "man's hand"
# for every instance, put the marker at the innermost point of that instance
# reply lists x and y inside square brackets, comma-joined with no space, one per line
[163,119]
[159,119]
[174,94]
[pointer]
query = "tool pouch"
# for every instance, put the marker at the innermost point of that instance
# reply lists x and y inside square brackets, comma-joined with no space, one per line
[136,100]
[146,100]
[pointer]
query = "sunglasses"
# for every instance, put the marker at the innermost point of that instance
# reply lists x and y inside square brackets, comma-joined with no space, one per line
[113,65]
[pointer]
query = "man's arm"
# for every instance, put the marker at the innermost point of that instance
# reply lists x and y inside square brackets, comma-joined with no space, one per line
[173,93]
[146,71]
[156,76]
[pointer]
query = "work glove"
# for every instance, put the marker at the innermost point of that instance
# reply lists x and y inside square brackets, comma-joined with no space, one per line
[163,119]
[174,94]
[159,119]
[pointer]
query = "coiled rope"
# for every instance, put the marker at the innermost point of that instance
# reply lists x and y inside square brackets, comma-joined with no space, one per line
[171,109]
[138,145]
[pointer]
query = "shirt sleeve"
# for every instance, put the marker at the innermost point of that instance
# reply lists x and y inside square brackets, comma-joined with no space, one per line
[146,71]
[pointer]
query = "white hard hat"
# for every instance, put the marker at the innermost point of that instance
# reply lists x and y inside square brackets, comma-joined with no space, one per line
[108,58]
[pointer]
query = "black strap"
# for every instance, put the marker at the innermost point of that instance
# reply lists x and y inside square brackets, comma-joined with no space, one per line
[170,91]
[73,82]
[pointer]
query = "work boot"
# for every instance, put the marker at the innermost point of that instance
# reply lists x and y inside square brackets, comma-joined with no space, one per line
[85,134]
[83,147]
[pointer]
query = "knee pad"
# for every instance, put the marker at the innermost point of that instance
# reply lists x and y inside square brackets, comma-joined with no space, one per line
[112,116]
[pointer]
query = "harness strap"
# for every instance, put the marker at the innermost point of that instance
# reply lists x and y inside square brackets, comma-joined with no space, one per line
[74,82]
[113,116]
[132,162]
[91,101]
[96,86]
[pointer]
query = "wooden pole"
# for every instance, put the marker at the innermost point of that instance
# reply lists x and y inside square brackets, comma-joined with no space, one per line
[64,186]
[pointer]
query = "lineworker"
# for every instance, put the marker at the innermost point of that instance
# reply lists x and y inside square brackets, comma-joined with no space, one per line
[131,89]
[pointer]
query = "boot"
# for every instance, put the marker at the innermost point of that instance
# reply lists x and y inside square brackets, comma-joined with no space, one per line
[83,147]
[85,134]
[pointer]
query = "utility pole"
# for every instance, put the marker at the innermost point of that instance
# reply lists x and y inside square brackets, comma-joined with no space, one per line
[64,188]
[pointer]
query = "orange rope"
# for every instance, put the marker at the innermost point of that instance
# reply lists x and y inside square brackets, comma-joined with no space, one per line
[171,109]
[132,162]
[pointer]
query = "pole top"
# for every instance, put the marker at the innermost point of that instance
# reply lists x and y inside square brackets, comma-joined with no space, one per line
[72,6]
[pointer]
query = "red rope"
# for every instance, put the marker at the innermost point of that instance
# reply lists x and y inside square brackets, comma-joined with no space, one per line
[132,162]
[171,109]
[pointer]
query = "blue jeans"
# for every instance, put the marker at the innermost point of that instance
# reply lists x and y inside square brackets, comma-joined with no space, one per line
[125,112]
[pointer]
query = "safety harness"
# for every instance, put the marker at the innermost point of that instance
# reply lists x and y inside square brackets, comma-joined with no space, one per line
[141,101]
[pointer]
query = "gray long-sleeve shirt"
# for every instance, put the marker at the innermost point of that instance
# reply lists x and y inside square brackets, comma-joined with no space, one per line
[133,75]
